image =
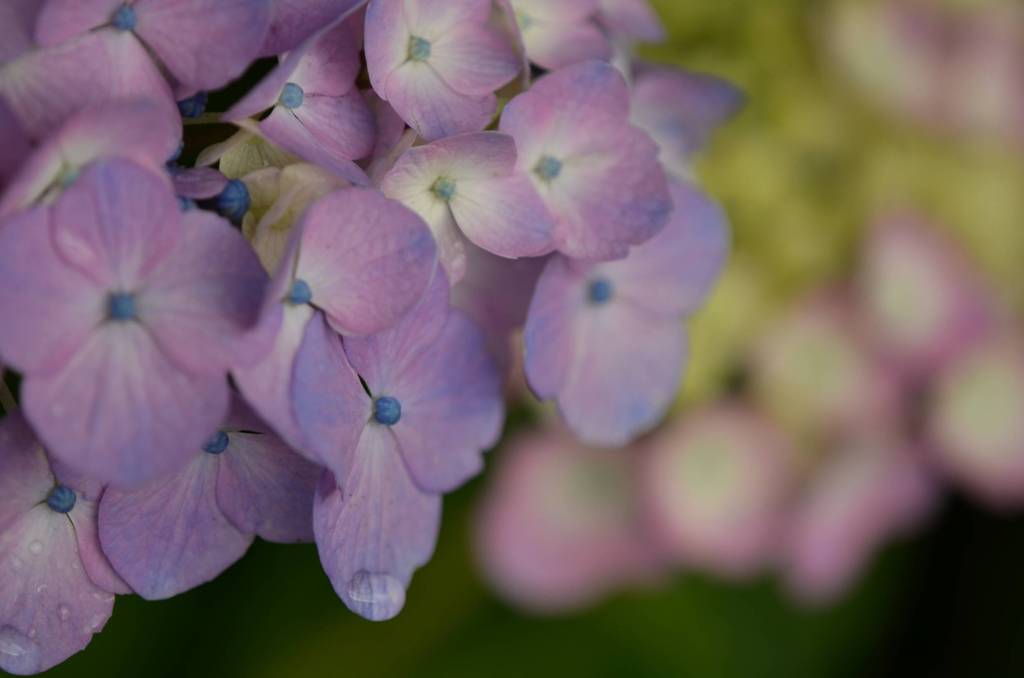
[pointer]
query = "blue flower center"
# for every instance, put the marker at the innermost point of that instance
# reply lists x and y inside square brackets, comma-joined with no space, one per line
[444,189]
[601,291]
[300,293]
[124,18]
[61,499]
[68,175]
[387,411]
[217,443]
[292,96]
[419,49]
[234,200]
[186,204]
[194,106]
[548,168]
[121,306]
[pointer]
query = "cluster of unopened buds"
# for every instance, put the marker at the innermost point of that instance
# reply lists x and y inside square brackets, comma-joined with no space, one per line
[306,334]
[856,411]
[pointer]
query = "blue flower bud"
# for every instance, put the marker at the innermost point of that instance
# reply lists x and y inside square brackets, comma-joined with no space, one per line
[387,411]
[62,499]
[234,201]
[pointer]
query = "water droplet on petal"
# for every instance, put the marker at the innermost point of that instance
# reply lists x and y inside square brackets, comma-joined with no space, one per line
[35,547]
[376,597]
[64,612]
[18,653]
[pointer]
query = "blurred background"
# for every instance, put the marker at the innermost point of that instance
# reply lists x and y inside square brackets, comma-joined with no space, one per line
[856,111]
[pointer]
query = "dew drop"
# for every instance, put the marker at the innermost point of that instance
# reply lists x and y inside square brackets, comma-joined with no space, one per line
[35,547]
[64,612]
[18,653]
[377,597]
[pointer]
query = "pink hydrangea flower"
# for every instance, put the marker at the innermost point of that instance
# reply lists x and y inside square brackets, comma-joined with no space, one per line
[717,485]
[317,112]
[872,488]
[56,586]
[974,423]
[138,130]
[186,528]
[598,175]
[468,187]
[129,315]
[204,44]
[438,62]
[562,524]
[430,402]
[607,341]
[923,301]
[559,34]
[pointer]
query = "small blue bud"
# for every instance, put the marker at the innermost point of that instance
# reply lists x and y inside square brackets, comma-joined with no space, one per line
[217,444]
[292,96]
[300,293]
[444,189]
[61,499]
[601,291]
[124,18]
[387,411]
[419,49]
[194,106]
[234,201]
[121,306]
[548,168]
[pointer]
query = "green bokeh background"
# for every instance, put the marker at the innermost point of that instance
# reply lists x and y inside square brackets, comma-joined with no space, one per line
[800,172]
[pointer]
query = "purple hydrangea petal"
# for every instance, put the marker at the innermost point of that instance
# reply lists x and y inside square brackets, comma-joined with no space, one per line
[436,365]
[331,66]
[343,126]
[203,301]
[374,529]
[199,183]
[16,144]
[330,404]
[45,86]
[120,411]
[263,486]
[49,607]
[673,273]
[435,18]
[367,259]
[474,60]
[294,21]
[116,222]
[17,28]
[634,19]
[504,216]
[387,41]
[33,277]
[94,560]
[171,535]
[287,131]
[561,34]
[432,107]
[139,130]
[204,43]
[61,20]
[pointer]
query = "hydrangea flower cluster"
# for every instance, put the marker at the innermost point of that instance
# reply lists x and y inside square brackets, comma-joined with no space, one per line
[302,332]
[859,408]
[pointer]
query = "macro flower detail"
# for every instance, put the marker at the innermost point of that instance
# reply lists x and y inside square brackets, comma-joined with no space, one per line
[186,528]
[432,403]
[317,112]
[202,43]
[148,307]
[607,340]
[357,262]
[598,175]
[56,586]
[438,63]
[468,187]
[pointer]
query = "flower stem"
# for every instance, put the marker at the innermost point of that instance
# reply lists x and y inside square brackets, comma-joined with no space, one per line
[204,119]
